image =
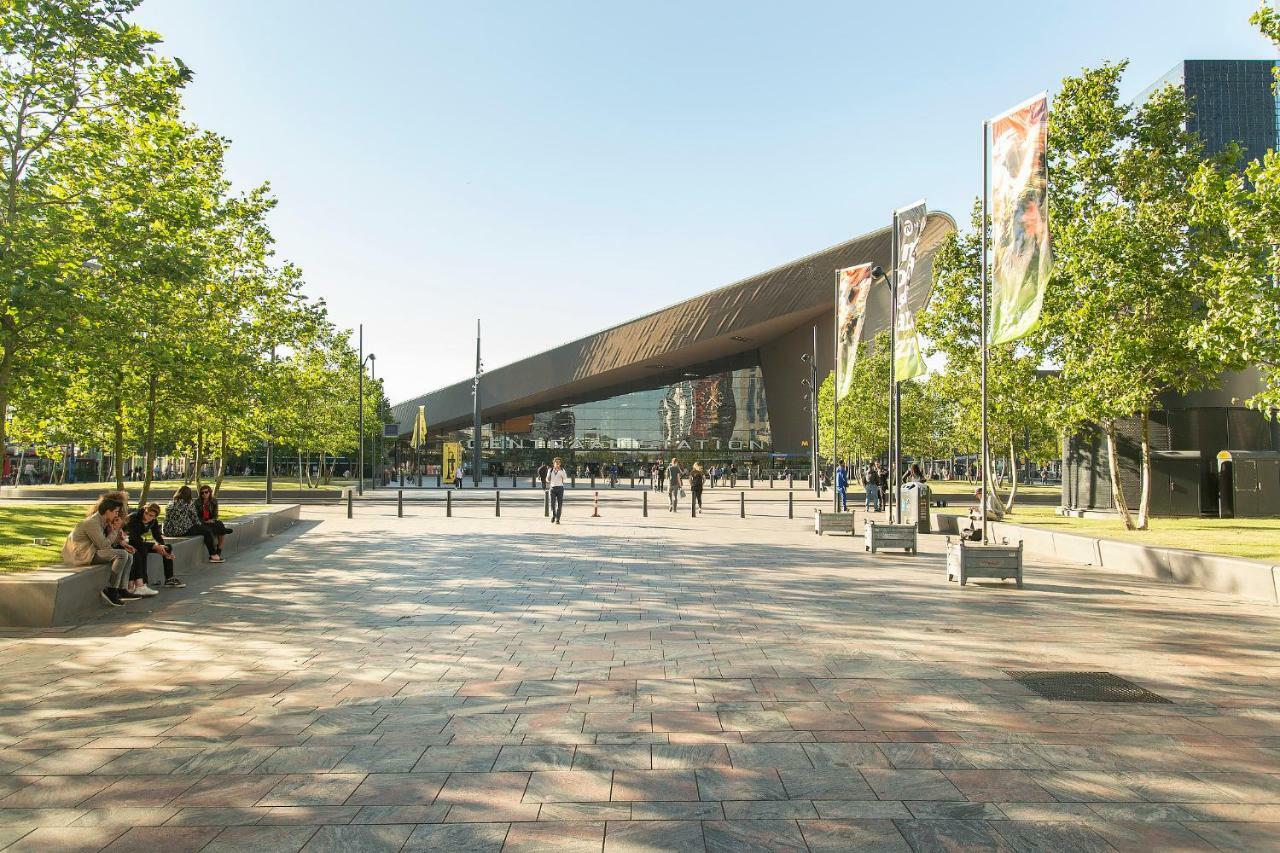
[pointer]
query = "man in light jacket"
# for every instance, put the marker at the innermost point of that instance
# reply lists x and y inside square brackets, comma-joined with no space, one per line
[88,543]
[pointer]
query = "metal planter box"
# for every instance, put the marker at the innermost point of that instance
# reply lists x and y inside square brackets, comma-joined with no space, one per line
[967,560]
[881,536]
[839,522]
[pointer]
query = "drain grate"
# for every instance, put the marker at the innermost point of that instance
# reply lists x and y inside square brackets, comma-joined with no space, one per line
[1083,686]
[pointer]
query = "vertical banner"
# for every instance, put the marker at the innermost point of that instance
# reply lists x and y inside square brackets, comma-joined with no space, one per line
[420,429]
[853,284]
[1019,219]
[908,361]
[451,459]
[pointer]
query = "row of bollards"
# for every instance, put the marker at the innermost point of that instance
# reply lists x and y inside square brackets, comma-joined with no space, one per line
[546,504]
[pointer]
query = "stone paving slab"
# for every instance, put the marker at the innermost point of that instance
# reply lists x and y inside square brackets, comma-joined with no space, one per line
[622,684]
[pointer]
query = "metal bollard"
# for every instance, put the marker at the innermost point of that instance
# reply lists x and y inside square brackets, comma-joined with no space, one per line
[399,503]
[645,496]
[791,505]
[751,479]
[742,504]
[693,506]
[437,481]
[633,481]
[791,481]
[771,479]
[573,481]
[546,504]
[348,503]
[497,504]
[513,481]
[448,504]
[495,481]
[593,481]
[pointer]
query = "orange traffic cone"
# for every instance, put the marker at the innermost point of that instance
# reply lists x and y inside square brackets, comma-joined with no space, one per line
[595,511]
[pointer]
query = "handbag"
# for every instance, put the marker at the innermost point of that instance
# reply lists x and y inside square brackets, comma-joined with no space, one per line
[682,493]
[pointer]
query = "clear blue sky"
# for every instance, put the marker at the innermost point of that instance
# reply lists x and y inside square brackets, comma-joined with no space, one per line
[555,168]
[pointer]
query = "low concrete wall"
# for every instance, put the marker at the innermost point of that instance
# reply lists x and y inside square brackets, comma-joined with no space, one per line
[1237,576]
[61,595]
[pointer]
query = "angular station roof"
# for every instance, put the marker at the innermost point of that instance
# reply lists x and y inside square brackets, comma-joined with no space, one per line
[732,319]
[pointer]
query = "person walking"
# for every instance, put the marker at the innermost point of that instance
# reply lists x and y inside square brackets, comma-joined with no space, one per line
[842,485]
[542,475]
[556,478]
[457,478]
[662,473]
[696,479]
[673,484]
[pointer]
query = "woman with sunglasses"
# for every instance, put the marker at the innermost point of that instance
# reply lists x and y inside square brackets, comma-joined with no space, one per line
[207,507]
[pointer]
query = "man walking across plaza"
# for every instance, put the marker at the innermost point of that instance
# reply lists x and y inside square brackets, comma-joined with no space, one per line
[542,476]
[556,478]
[673,484]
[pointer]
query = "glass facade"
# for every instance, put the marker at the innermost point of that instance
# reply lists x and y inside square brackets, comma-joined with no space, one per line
[715,413]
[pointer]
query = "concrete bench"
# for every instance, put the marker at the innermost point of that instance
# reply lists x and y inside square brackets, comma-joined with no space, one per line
[61,595]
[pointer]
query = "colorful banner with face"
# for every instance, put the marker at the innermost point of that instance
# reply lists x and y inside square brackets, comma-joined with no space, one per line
[1019,219]
[908,361]
[852,286]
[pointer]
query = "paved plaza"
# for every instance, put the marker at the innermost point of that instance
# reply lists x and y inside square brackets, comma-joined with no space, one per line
[629,684]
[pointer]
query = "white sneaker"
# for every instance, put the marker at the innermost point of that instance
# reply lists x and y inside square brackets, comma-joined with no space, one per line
[146,591]
[216,558]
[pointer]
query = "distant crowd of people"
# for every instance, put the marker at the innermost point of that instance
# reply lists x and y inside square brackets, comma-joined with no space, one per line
[113,535]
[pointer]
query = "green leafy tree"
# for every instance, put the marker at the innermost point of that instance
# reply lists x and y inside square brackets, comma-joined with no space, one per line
[71,70]
[1122,313]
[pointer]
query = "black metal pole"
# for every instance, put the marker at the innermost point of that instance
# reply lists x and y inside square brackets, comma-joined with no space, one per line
[360,452]
[448,504]
[475,416]
[982,505]
[742,504]
[399,503]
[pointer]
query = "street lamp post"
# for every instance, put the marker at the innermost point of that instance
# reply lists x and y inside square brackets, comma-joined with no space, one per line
[811,383]
[360,453]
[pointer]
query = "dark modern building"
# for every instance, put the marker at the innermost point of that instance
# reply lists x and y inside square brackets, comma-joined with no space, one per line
[717,377]
[1232,100]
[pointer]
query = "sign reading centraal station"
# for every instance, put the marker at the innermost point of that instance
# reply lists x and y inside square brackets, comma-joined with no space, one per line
[509,443]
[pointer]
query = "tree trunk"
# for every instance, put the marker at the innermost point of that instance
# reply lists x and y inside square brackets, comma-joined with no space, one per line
[1013,477]
[6,376]
[222,459]
[1144,500]
[149,448]
[321,478]
[117,449]
[195,471]
[993,496]
[299,472]
[1113,463]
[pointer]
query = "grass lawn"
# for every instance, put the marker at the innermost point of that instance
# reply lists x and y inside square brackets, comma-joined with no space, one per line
[1254,538]
[165,488]
[21,524]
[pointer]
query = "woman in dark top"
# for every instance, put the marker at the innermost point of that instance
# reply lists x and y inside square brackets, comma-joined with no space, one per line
[696,478]
[207,507]
[181,519]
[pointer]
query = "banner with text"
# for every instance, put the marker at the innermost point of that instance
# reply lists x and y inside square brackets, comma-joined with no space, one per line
[1019,219]
[852,285]
[908,361]
[451,460]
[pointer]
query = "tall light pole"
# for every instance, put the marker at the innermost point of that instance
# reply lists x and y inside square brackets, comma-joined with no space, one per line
[811,383]
[475,415]
[360,453]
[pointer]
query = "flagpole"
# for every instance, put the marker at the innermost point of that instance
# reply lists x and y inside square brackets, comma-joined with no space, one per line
[982,506]
[893,377]
[835,397]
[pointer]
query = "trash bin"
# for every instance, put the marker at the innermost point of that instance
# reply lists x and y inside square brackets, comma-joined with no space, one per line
[913,508]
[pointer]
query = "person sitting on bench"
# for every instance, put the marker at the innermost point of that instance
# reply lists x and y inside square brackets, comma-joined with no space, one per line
[142,521]
[88,543]
[181,519]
